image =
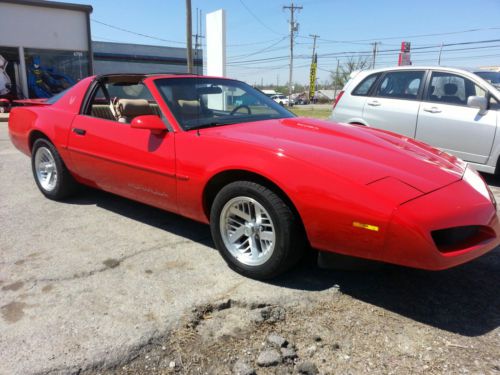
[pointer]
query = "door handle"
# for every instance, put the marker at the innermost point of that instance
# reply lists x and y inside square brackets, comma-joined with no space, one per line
[374,103]
[432,110]
[79,131]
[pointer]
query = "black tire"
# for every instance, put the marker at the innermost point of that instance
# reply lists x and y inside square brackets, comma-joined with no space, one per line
[290,238]
[65,184]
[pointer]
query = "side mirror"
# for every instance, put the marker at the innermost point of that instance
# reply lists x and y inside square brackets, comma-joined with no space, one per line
[478,102]
[149,122]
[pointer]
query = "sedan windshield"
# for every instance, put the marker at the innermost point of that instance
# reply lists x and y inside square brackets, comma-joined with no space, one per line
[204,102]
[491,77]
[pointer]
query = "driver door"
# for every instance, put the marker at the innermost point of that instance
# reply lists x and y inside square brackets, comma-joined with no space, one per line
[107,153]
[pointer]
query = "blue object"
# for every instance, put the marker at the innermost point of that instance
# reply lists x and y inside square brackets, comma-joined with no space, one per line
[44,82]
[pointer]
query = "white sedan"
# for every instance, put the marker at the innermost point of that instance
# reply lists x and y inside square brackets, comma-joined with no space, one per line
[452,109]
[282,99]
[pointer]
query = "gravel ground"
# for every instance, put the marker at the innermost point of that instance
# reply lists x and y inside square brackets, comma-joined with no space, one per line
[100,284]
[388,321]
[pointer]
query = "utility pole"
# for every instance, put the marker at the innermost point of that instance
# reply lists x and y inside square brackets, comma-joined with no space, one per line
[375,44]
[440,50]
[337,76]
[293,28]
[312,84]
[189,37]
[197,37]
[314,36]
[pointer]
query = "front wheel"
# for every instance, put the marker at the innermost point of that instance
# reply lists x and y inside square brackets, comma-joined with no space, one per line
[51,175]
[255,231]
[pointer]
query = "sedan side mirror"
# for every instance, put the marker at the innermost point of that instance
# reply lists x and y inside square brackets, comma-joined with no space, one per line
[478,102]
[150,122]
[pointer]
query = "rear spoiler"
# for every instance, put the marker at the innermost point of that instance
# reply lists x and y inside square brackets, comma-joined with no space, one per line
[30,102]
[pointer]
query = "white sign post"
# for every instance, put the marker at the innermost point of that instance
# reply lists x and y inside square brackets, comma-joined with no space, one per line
[216,43]
[216,53]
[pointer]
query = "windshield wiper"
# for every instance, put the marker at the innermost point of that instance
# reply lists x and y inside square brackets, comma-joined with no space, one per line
[211,124]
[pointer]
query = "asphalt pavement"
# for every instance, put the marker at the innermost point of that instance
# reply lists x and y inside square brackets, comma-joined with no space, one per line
[88,281]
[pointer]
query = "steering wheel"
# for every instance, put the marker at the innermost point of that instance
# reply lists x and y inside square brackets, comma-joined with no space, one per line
[239,107]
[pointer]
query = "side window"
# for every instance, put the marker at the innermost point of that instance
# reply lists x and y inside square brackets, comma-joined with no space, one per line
[122,101]
[400,85]
[452,89]
[494,104]
[100,106]
[364,87]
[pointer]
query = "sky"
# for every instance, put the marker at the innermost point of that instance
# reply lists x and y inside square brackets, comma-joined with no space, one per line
[258,39]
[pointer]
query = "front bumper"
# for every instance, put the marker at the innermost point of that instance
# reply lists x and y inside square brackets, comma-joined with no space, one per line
[409,239]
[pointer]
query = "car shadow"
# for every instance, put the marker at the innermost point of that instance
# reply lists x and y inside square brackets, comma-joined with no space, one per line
[148,215]
[491,179]
[463,300]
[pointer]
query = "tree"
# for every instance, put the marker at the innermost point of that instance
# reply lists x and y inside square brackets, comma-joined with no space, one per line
[352,64]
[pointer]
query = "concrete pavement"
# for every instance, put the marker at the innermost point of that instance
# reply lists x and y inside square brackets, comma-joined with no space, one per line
[88,281]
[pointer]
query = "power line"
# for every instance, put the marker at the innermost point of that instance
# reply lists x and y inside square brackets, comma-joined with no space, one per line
[136,33]
[258,19]
[259,51]
[414,49]
[252,43]
[410,36]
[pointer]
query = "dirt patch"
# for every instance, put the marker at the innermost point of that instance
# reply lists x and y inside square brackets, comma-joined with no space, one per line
[47,288]
[14,286]
[111,263]
[14,311]
[175,264]
[326,336]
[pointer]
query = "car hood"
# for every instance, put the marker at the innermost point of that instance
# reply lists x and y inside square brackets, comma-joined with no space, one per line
[354,152]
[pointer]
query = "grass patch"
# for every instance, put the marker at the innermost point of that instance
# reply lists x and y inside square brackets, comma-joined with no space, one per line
[311,112]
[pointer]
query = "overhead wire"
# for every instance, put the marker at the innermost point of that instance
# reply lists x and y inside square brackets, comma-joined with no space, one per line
[258,19]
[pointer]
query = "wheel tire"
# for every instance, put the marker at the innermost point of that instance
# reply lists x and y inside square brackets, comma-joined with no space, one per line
[63,185]
[289,243]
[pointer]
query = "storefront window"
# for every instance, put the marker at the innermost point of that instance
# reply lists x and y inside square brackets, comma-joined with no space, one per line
[50,72]
[9,73]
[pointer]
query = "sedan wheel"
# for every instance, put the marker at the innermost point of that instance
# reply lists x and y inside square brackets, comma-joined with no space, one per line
[255,230]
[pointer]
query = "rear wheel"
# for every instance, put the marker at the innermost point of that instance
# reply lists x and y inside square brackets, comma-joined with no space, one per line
[51,175]
[255,231]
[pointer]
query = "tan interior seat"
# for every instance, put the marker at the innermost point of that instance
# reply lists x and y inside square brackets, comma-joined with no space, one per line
[190,109]
[127,109]
[155,108]
[102,111]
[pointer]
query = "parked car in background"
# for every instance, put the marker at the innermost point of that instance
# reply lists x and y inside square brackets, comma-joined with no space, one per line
[452,109]
[282,99]
[489,76]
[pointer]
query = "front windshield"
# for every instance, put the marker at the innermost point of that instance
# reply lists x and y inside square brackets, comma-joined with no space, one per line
[491,77]
[204,102]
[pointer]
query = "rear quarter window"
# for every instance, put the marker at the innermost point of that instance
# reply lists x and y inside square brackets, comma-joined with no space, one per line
[363,88]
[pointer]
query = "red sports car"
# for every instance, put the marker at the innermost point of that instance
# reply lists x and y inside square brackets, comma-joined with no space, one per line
[270,184]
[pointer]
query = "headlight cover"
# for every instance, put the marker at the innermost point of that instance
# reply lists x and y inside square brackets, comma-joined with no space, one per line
[475,180]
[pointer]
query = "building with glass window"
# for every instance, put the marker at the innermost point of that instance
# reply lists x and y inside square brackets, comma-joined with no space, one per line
[139,58]
[45,47]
